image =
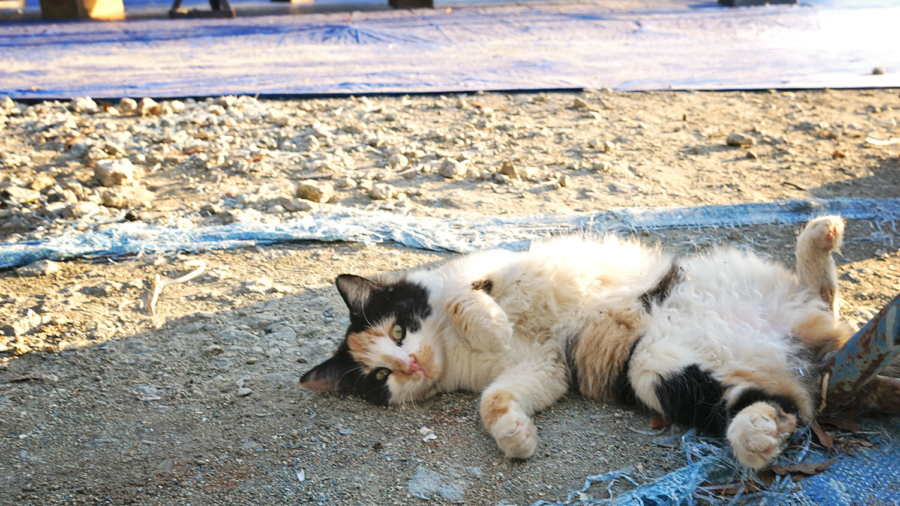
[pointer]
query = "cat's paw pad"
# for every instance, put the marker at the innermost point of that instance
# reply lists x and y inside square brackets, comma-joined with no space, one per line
[757,434]
[826,233]
[516,435]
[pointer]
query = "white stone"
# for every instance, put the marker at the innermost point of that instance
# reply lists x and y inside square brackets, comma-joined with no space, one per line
[114,172]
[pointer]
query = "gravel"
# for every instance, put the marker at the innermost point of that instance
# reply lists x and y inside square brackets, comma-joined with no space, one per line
[199,403]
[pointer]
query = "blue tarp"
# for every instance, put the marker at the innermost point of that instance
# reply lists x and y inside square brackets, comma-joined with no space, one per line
[626,45]
[459,234]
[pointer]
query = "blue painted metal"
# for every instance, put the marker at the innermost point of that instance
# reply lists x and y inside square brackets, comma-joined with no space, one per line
[856,363]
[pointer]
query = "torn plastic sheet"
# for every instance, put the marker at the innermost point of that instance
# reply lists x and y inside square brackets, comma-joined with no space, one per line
[713,477]
[461,235]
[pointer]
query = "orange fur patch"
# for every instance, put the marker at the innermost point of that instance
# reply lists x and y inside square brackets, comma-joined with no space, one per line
[821,333]
[602,349]
[362,344]
[494,406]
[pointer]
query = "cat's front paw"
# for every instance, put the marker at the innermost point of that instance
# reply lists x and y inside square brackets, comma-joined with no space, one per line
[516,435]
[757,434]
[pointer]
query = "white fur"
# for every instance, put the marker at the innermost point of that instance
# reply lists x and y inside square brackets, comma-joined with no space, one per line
[729,312]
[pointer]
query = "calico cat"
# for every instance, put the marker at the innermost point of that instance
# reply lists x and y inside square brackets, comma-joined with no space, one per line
[725,342]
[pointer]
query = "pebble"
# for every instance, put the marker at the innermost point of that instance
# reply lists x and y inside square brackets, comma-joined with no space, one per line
[80,210]
[124,197]
[41,181]
[740,140]
[147,107]
[128,105]
[297,205]
[38,269]
[314,191]
[565,181]
[510,170]
[20,194]
[382,191]
[84,105]
[452,169]
[878,71]
[243,392]
[114,172]
[397,161]
[22,325]
[578,103]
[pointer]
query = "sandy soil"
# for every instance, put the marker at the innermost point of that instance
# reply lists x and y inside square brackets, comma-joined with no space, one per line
[101,401]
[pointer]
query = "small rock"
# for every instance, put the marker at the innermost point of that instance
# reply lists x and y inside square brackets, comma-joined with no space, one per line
[565,181]
[839,154]
[579,104]
[124,197]
[41,181]
[38,269]
[297,205]
[452,169]
[347,182]
[104,289]
[213,350]
[147,107]
[261,285]
[314,191]
[22,325]
[878,71]
[397,161]
[128,105]
[211,209]
[114,172]
[242,216]
[509,169]
[752,155]
[84,105]
[80,210]
[20,194]
[244,392]
[740,140]
[382,191]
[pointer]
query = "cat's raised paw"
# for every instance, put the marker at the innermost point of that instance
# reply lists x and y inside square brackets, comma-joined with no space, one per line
[516,435]
[825,234]
[757,434]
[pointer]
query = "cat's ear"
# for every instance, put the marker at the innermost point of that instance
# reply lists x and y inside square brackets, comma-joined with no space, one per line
[356,291]
[330,374]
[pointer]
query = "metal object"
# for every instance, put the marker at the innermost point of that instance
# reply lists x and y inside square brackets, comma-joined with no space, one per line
[846,372]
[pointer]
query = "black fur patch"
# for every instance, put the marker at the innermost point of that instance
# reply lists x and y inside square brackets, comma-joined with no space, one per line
[405,301]
[754,395]
[660,292]
[622,389]
[485,285]
[343,374]
[693,397]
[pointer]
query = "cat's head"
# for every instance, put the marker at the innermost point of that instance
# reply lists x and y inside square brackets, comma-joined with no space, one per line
[386,356]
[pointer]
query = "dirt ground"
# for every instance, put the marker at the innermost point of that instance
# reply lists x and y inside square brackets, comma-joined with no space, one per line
[103,402]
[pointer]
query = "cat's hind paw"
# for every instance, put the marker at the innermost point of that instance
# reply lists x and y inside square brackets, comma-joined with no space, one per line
[757,434]
[516,435]
[824,234]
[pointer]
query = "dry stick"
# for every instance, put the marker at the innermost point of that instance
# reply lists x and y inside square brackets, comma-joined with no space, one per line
[159,283]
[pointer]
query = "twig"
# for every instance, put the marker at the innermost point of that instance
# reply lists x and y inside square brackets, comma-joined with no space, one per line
[159,283]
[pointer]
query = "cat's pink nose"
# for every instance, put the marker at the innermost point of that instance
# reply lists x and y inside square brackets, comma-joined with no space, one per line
[413,365]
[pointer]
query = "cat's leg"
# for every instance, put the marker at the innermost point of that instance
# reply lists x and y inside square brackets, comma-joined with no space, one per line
[815,265]
[508,403]
[755,422]
[758,432]
[478,318]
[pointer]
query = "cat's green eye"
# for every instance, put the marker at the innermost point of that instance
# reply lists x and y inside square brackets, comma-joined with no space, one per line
[382,374]
[397,333]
